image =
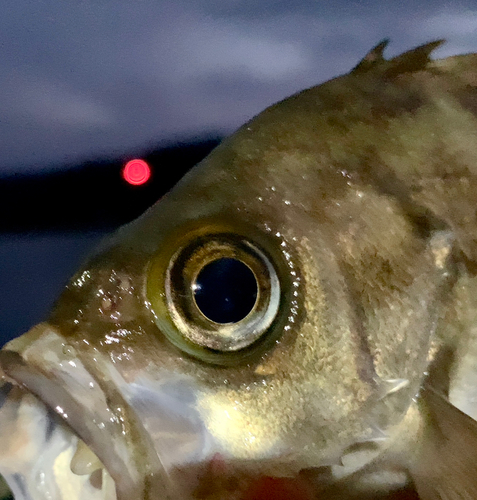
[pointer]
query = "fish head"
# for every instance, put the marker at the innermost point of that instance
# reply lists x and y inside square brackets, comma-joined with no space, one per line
[275,310]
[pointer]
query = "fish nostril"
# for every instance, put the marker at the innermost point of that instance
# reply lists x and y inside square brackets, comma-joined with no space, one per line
[107,303]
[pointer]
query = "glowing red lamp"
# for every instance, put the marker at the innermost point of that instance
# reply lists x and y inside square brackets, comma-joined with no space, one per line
[136,172]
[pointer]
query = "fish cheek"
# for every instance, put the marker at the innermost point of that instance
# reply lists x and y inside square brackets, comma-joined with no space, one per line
[399,280]
[308,391]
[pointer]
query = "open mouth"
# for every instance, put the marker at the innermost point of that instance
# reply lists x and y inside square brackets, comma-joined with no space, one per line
[86,429]
[71,431]
[59,400]
[102,449]
[104,439]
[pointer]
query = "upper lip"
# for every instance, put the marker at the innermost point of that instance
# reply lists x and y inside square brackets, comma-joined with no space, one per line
[106,426]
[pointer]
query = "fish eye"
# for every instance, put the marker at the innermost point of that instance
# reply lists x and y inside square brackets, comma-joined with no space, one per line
[220,296]
[225,290]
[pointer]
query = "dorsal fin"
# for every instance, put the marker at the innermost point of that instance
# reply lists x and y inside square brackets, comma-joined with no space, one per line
[413,60]
[374,56]
[410,61]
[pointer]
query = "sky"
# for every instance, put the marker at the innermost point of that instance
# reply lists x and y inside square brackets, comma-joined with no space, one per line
[89,79]
[82,79]
[33,272]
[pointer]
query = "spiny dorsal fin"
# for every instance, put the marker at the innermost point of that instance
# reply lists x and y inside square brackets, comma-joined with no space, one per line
[413,60]
[408,62]
[374,56]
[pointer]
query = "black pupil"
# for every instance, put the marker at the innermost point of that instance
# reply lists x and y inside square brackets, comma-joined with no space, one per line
[225,290]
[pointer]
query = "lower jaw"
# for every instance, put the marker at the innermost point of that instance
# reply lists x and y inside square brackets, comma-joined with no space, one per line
[37,449]
[214,478]
[43,468]
[62,412]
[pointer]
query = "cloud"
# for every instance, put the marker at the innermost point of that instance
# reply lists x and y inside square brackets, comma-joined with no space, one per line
[87,78]
[459,27]
[221,47]
[51,103]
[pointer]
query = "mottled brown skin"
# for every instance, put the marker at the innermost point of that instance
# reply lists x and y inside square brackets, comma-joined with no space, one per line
[365,187]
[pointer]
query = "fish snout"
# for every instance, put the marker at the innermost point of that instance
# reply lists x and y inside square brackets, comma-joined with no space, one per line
[62,419]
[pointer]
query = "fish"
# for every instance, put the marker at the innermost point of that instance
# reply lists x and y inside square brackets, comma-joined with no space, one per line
[296,318]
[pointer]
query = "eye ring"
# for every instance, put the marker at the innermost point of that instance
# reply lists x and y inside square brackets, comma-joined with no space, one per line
[191,322]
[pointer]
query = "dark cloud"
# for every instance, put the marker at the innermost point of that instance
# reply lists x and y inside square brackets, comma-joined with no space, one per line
[83,78]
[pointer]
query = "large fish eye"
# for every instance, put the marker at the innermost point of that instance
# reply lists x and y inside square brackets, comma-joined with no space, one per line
[225,290]
[221,294]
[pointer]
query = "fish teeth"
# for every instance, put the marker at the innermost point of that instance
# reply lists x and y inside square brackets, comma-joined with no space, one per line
[84,461]
[355,458]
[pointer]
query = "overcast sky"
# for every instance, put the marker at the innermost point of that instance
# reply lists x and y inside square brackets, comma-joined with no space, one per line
[80,78]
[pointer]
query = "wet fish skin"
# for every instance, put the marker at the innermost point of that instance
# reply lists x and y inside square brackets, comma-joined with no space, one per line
[361,192]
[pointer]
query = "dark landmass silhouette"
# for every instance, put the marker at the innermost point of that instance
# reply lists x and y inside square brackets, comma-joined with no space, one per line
[93,196]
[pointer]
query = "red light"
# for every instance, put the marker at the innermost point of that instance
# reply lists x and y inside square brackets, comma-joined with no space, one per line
[136,172]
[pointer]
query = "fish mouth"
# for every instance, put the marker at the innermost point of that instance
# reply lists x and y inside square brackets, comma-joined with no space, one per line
[111,437]
[56,398]
[142,436]
[112,430]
